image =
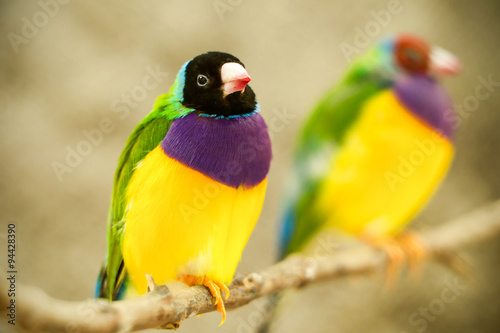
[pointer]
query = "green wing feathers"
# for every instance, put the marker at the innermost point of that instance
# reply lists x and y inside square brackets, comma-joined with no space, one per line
[339,108]
[145,137]
[322,135]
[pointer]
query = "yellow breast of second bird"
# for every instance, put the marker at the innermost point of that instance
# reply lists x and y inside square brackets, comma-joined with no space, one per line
[389,166]
[180,221]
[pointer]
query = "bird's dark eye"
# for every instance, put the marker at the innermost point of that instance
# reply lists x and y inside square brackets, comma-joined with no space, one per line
[202,80]
[413,59]
[413,55]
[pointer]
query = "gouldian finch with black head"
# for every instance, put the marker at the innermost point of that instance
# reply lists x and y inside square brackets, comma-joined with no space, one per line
[190,183]
[375,148]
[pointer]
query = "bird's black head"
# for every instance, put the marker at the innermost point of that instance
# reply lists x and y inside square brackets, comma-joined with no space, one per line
[216,84]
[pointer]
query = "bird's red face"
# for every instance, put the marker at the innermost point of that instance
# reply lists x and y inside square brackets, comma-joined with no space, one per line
[412,53]
[416,56]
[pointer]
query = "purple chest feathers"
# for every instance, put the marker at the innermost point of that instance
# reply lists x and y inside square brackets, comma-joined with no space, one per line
[428,101]
[232,151]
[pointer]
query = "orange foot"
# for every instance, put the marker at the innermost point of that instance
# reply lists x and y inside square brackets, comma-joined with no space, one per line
[215,288]
[395,259]
[414,248]
[406,246]
[394,252]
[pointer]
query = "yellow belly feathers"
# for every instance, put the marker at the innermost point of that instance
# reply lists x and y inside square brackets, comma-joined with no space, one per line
[388,167]
[180,221]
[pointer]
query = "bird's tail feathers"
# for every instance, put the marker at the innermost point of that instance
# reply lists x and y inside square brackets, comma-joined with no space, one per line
[102,281]
[100,286]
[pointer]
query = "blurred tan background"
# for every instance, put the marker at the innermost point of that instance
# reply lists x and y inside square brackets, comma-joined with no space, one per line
[77,65]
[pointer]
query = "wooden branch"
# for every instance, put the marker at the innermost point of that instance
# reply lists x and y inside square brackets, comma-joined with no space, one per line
[161,308]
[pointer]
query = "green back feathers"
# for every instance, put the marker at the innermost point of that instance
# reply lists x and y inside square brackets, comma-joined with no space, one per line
[336,111]
[326,127]
[340,106]
[146,136]
[170,105]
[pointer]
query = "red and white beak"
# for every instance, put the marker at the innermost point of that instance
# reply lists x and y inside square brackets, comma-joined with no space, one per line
[234,78]
[444,62]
